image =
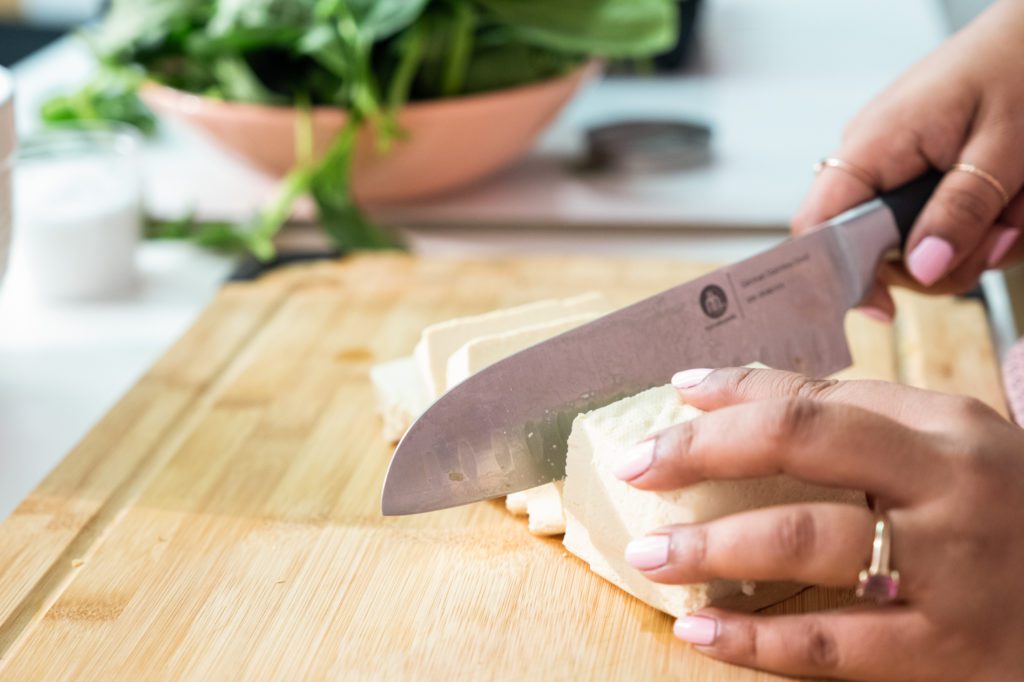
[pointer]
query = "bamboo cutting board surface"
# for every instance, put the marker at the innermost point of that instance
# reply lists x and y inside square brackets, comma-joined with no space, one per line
[222,521]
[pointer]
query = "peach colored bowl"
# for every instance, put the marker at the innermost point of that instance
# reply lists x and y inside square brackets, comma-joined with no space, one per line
[449,143]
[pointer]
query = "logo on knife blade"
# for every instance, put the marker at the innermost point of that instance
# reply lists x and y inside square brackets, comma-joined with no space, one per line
[713,301]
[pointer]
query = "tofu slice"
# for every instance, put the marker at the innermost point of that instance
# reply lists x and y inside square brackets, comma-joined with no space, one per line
[518,504]
[483,351]
[544,506]
[440,341]
[603,514]
[399,385]
[400,394]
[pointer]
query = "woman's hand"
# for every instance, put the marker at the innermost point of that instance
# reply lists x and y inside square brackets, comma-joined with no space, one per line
[949,474]
[963,103]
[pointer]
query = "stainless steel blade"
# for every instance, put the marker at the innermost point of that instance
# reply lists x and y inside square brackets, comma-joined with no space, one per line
[505,428]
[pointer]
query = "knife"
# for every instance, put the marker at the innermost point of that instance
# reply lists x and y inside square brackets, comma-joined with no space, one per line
[506,428]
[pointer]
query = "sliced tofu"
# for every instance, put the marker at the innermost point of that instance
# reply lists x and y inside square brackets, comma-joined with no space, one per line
[400,394]
[440,341]
[518,504]
[603,514]
[484,351]
[544,506]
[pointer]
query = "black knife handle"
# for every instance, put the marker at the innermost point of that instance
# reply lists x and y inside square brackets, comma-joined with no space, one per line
[907,201]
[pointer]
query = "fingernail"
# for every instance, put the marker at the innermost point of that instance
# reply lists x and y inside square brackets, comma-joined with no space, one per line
[1003,244]
[696,630]
[648,553]
[930,260]
[876,314]
[690,378]
[638,460]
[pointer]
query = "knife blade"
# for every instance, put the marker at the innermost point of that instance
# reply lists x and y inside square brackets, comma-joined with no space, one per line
[506,428]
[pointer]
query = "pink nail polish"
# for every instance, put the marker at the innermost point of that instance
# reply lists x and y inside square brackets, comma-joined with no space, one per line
[637,461]
[696,630]
[647,554]
[690,378]
[930,260]
[876,314]
[1003,244]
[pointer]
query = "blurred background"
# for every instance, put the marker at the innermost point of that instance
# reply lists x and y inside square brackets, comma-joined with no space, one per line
[27,25]
[481,131]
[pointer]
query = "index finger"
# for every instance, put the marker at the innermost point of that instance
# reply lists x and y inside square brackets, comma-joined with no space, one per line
[822,443]
[713,389]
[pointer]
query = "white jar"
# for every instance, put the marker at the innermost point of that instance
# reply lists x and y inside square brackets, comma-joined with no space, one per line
[78,210]
[7,142]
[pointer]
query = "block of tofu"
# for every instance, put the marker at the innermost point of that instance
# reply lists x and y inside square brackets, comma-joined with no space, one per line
[484,351]
[400,395]
[439,341]
[602,513]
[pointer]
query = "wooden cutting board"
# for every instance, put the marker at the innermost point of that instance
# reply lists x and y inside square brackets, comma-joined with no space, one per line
[222,520]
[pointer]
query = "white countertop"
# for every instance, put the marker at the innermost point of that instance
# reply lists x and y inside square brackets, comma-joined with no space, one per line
[777,82]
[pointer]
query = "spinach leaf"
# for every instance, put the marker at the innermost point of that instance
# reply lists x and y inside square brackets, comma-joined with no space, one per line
[380,19]
[238,83]
[110,96]
[214,235]
[609,28]
[260,16]
[340,216]
[133,26]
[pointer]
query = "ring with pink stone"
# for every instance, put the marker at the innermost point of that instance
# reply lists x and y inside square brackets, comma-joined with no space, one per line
[878,581]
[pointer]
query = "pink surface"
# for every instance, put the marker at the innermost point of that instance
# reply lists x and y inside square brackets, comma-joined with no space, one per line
[450,143]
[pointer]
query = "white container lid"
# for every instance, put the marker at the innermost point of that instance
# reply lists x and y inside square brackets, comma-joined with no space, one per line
[6,114]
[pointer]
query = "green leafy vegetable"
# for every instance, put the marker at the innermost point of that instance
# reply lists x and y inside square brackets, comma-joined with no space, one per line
[611,28]
[111,96]
[369,57]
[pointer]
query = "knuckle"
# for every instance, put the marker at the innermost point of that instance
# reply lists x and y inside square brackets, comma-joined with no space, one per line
[790,419]
[982,474]
[966,207]
[741,381]
[815,389]
[697,549]
[795,535]
[969,411]
[933,132]
[746,644]
[678,448]
[816,648]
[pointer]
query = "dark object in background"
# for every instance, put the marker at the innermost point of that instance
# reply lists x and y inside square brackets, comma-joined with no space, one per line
[18,41]
[648,146]
[678,57]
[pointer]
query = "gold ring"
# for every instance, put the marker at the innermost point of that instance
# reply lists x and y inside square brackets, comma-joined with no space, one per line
[879,581]
[855,171]
[992,180]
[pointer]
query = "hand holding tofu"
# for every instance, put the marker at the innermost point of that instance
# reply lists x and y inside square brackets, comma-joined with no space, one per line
[947,471]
